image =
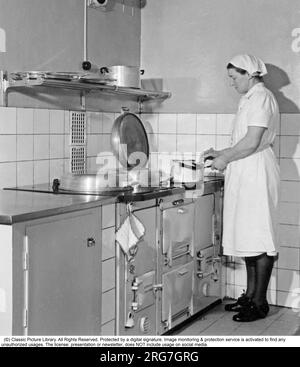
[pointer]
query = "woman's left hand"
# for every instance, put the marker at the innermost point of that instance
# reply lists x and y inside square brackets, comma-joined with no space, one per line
[219,164]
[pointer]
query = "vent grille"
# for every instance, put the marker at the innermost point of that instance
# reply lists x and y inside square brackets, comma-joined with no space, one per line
[78,128]
[78,142]
[78,160]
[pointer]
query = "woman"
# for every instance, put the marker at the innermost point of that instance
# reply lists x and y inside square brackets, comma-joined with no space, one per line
[251,185]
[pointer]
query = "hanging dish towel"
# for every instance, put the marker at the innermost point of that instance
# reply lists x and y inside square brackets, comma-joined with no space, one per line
[129,234]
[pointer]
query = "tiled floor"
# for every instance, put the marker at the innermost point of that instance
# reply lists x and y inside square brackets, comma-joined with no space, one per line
[280,321]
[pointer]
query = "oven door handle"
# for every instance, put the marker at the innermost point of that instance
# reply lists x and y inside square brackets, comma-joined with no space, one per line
[188,252]
[183,272]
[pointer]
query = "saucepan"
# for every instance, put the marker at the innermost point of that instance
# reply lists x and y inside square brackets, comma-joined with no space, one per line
[124,76]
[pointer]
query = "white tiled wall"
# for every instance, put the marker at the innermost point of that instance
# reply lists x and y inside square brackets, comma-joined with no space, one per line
[32,145]
[34,148]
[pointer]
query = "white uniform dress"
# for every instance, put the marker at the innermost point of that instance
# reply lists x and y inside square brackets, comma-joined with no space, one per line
[252,183]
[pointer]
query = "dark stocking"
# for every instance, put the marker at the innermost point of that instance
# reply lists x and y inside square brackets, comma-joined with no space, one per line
[264,265]
[251,276]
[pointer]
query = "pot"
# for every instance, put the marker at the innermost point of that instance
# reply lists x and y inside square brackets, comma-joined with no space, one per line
[124,76]
[187,172]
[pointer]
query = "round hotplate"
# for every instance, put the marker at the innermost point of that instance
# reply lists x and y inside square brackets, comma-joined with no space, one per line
[129,141]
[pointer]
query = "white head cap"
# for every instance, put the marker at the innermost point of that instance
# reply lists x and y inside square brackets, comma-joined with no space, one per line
[253,65]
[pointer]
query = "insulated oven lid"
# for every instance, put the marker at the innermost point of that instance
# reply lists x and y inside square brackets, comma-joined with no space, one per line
[129,141]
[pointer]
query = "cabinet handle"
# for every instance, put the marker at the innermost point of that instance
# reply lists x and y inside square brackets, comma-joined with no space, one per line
[91,242]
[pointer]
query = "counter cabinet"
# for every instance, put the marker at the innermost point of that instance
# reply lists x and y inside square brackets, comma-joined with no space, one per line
[51,271]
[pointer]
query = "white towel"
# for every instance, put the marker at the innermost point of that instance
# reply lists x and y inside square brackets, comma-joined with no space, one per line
[129,234]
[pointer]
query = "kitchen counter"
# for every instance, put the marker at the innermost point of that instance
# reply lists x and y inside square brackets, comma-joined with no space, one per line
[19,206]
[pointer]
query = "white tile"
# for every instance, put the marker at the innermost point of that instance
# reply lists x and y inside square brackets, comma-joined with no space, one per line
[150,121]
[57,122]
[288,258]
[289,213]
[108,215]
[167,143]
[290,147]
[290,169]
[240,275]
[230,291]
[204,142]
[91,164]
[8,120]
[66,146]
[288,281]
[290,191]
[93,145]
[206,124]
[108,274]
[108,307]
[273,280]
[276,146]
[8,175]
[109,327]
[24,173]
[108,121]
[24,147]
[57,146]
[8,148]
[94,122]
[223,141]
[167,123]
[105,144]
[289,299]
[67,122]
[41,147]
[56,168]
[186,123]
[290,124]
[153,142]
[67,166]
[41,121]
[25,120]
[289,235]
[41,172]
[224,124]
[186,144]
[230,274]
[272,296]
[108,243]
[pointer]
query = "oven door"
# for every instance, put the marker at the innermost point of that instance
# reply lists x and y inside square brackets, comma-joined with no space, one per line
[176,295]
[178,235]
[207,279]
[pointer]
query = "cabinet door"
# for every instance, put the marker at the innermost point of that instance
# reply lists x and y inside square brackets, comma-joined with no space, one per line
[64,281]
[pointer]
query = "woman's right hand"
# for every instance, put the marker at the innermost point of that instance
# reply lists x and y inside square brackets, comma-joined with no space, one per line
[211,153]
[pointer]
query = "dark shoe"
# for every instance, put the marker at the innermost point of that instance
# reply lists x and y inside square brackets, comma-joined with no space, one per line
[241,302]
[252,312]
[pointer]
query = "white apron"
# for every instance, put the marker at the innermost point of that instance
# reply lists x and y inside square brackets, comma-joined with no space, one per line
[252,183]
